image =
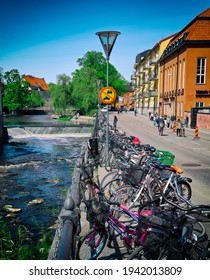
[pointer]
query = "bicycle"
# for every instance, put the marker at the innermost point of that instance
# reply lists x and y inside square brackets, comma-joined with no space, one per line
[183,238]
[100,214]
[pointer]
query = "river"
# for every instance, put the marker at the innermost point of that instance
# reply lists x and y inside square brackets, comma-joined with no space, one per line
[36,171]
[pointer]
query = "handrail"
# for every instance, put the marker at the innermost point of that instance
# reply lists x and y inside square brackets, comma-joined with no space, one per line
[69,227]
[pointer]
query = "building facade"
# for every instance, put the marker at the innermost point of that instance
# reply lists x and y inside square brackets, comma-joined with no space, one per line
[146,78]
[184,80]
[173,78]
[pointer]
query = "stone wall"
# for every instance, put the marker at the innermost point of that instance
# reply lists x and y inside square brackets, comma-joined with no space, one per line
[203,121]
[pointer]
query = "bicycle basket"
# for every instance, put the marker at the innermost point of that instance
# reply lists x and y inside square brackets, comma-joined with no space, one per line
[133,175]
[165,157]
[97,211]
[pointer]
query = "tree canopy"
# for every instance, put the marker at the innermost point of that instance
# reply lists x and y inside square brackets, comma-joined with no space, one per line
[16,95]
[93,66]
[79,92]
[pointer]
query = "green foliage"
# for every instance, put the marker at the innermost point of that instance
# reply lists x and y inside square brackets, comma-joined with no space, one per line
[61,95]
[69,94]
[93,66]
[20,247]
[17,95]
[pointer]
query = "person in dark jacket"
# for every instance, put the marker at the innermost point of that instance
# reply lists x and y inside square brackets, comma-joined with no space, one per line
[115,121]
[160,123]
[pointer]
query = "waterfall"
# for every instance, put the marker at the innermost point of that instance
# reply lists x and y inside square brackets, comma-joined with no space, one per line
[49,131]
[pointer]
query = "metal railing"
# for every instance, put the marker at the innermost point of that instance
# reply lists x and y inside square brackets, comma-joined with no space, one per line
[69,225]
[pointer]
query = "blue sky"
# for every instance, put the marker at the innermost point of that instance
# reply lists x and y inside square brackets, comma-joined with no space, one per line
[45,38]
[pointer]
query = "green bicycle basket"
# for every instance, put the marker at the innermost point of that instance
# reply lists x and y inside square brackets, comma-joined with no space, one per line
[165,157]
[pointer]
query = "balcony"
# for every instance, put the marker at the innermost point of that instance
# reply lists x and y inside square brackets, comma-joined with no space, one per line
[153,93]
[146,94]
[153,60]
[145,80]
[153,77]
[146,66]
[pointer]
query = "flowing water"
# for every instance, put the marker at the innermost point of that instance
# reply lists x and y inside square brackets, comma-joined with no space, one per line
[35,173]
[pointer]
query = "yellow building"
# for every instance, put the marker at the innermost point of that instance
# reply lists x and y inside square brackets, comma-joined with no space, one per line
[146,78]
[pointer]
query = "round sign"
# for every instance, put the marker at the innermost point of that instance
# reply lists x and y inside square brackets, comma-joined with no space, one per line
[107,95]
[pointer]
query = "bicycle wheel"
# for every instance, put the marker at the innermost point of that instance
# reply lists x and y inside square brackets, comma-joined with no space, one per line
[110,187]
[91,245]
[185,191]
[131,195]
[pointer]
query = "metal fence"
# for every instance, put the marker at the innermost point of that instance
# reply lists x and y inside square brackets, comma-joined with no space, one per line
[69,225]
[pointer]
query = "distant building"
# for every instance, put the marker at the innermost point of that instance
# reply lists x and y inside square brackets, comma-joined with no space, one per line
[39,84]
[146,78]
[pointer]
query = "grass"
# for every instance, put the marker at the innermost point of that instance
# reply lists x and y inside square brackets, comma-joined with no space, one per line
[65,118]
[19,246]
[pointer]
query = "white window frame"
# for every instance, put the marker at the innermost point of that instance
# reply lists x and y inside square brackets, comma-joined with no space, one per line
[200,104]
[201,71]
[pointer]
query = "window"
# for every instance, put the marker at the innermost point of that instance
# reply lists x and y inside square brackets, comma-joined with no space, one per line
[199,104]
[201,71]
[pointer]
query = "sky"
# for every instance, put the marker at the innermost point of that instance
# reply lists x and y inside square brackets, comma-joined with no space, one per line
[44,38]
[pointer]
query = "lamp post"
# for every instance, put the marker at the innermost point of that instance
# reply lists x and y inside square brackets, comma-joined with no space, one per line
[107,39]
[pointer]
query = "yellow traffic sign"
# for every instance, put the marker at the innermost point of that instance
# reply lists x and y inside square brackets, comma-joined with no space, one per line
[107,95]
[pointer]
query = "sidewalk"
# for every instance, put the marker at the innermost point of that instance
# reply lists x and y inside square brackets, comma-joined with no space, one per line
[203,134]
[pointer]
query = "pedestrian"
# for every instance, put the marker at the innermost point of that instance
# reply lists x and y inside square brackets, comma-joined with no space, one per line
[115,121]
[156,120]
[135,112]
[76,115]
[186,120]
[183,122]
[168,121]
[172,119]
[178,128]
[160,123]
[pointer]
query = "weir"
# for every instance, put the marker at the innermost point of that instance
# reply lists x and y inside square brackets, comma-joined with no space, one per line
[32,131]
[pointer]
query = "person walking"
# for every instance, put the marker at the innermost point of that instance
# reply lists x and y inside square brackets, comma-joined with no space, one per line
[186,120]
[172,119]
[178,128]
[160,123]
[115,121]
[168,121]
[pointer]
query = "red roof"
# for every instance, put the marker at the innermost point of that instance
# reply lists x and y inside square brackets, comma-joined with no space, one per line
[197,29]
[36,82]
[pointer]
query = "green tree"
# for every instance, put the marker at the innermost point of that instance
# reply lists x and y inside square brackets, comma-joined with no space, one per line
[84,90]
[61,95]
[93,66]
[16,91]
[17,95]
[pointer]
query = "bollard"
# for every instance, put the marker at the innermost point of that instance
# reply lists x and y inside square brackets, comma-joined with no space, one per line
[174,128]
[196,133]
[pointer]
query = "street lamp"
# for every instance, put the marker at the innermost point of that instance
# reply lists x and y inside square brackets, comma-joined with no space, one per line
[107,39]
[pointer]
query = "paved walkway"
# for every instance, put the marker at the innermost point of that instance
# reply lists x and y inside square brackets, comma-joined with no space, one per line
[202,133]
